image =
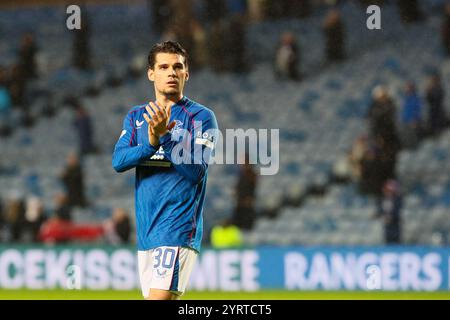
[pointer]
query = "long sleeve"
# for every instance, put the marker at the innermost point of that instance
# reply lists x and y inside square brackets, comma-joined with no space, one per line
[127,154]
[202,140]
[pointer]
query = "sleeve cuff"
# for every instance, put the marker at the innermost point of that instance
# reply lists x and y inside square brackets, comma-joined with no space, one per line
[149,150]
[165,138]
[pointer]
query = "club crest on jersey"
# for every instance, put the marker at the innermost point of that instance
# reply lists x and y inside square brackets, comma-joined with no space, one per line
[162,273]
[178,126]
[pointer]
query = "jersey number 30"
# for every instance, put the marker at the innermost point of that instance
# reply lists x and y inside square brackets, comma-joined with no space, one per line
[164,257]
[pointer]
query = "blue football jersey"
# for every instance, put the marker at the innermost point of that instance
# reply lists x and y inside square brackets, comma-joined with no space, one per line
[171,179]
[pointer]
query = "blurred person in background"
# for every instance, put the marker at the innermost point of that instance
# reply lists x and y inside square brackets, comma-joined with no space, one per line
[226,235]
[27,57]
[216,46]
[73,180]
[244,212]
[445,30]
[215,10]
[199,37]
[236,39]
[287,58]
[62,208]
[84,128]
[437,117]
[370,175]
[14,214]
[180,21]
[2,221]
[411,118]
[382,118]
[17,86]
[81,51]
[409,10]
[389,208]
[5,103]
[334,31]
[118,228]
[380,162]
[160,10]
[34,218]
[356,155]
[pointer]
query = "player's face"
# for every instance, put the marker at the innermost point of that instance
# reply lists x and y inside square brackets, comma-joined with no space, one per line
[169,73]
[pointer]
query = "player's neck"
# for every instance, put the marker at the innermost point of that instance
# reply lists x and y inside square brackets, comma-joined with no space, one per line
[167,101]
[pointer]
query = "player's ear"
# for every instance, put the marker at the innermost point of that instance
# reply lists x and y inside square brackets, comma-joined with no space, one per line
[151,74]
[187,75]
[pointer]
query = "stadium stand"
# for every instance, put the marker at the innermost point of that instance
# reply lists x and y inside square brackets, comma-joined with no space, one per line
[321,118]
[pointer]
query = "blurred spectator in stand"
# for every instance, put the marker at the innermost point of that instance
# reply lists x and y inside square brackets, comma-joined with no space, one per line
[437,118]
[356,155]
[302,8]
[5,104]
[81,53]
[73,180]
[236,40]
[277,9]
[217,48]
[244,213]
[17,86]
[15,217]
[411,119]
[289,8]
[62,208]
[334,31]
[445,30]
[287,58]
[34,218]
[83,126]
[387,152]
[161,11]
[389,208]
[380,162]
[370,170]
[215,10]
[256,10]
[27,57]
[118,228]
[226,235]
[382,118]
[409,10]
[2,222]
[200,45]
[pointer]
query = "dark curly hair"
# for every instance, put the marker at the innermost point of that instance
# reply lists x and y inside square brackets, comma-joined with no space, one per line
[166,47]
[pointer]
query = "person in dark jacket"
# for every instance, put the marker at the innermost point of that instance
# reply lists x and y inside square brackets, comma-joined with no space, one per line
[411,117]
[437,118]
[84,129]
[445,31]
[244,213]
[389,208]
[73,180]
[334,31]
